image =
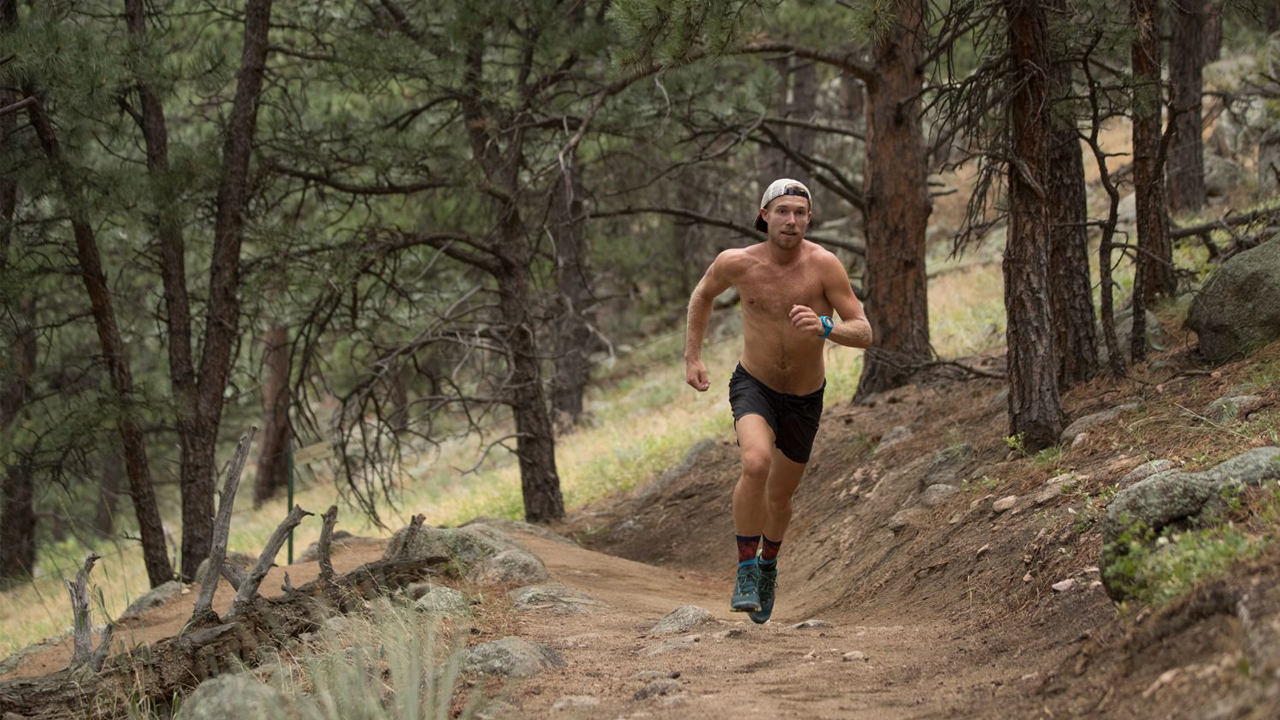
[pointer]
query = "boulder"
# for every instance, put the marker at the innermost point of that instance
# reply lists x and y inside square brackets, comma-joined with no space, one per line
[467,546]
[237,695]
[509,527]
[441,601]
[1232,407]
[700,451]
[1144,471]
[1090,421]
[657,688]
[153,599]
[946,465]
[510,567]
[936,495]
[1221,175]
[1238,309]
[512,657]
[341,538]
[1124,333]
[682,620]
[240,561]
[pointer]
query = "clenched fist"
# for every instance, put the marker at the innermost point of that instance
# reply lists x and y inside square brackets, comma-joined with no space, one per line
[806,320]
[695,373]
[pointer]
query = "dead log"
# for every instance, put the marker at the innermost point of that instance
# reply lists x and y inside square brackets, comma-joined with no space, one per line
[330,519]
[83,654]
[158,673]
[249,589]
[203,611]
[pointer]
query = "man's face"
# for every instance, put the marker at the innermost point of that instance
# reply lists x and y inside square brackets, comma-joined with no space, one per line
[788,216]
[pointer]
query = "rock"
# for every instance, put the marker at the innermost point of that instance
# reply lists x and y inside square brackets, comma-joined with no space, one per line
[509,527]
[240,561]
[648,675]
[415,591]
[893,437]
[1052,488]
[443,601]
[1080,440]
[1004,503]
[854,655]
[1226,409]
[935,495]
[629,525]
[903,518]
[1269,163]
[946,465]
[567,702]
[498,710]
[1221,175]
[1168,497]
[657,688]
[153,599]
[467,546]
[1238,309]
[811,623]
[512,657]
[233,695]
[1063,585]
[682,619]
[510,567]
[341,538]
[1124,333]
[1144,471]
[695,456]
[982,551]
[730,633]
[663,648]
[555,597]
[1090,421]
[336,624]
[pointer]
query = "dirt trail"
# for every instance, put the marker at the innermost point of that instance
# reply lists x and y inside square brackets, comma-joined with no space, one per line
[912,669]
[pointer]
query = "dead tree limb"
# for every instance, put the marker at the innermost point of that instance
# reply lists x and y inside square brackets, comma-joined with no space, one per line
[330,518]
[415,524]
[222,528]
[82,653]
[249,588]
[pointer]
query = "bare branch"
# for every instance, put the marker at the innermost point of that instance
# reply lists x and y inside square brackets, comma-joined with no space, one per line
[330,518]
[82,653]
[222,526]
[249,590]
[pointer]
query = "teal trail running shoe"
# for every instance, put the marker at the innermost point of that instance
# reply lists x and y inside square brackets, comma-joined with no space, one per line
[768,584]
[746,593]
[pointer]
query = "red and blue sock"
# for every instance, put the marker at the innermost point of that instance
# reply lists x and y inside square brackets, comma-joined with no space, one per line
[748,545]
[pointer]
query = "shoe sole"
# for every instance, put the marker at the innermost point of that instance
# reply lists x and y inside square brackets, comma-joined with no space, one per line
[745,607]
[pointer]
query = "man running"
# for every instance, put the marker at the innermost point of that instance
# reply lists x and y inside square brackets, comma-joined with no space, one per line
[788,287]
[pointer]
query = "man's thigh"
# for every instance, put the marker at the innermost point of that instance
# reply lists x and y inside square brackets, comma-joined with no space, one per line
[784,476]
[755,437]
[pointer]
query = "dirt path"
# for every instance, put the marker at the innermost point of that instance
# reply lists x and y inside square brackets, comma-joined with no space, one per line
[912,670]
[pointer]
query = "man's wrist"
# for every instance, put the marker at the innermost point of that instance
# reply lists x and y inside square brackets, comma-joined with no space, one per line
[827,325]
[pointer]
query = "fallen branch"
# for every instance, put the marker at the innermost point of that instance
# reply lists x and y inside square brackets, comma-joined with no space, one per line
[330,518]
[1225,222]
[249,589]
[222,529]
[83,653]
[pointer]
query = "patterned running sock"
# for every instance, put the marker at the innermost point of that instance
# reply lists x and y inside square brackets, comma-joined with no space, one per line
[770,550]
[747,546]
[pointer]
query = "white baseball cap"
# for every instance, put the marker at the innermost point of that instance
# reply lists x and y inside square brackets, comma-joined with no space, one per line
[776,189]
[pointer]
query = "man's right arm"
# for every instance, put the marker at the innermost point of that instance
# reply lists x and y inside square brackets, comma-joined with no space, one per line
[716,280]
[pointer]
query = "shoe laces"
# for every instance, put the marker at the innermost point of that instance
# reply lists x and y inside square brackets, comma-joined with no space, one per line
[747,582]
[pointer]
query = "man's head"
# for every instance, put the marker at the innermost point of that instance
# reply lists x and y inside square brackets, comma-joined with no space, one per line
[785,211]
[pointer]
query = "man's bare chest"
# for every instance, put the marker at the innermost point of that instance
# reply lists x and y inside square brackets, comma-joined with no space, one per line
[770,296]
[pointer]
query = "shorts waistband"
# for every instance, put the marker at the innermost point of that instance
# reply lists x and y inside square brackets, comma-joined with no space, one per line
[815,394]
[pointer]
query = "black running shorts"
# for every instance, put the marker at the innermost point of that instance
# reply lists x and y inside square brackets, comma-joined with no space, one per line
[794,418]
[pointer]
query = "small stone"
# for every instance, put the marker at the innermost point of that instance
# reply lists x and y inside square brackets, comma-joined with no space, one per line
[730,633]
[1026,578]
[954,519]
[935,495]
[1089,421]
[418,589]
[1080,440]
[1095,584]
[811,623]
[649,675]
[854,655]
[1005,503]
[682,619]
[893,437]
[1064,585]
[566,702]
[903,518]
[657,688]
[983,550]
[811,655]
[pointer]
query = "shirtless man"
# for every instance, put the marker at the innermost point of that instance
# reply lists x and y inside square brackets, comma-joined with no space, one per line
[788,286]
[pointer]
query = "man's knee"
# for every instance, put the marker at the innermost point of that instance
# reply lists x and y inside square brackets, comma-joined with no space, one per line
[778,502]
[755,463]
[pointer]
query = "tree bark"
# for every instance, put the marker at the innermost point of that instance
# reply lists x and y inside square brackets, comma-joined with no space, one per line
[1035,407]
[223,320]
[154,554]
[1071,290]
[897,211]
[273,463]
[1187,57]
[1155,276]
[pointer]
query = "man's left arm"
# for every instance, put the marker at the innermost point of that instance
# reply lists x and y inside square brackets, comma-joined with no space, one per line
[853,330]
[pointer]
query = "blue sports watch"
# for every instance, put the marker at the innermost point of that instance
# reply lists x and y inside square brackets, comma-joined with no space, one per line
[827,325]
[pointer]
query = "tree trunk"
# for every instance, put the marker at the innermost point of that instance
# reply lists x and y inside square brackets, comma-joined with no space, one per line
[572,336]
[897,210]
[1187,57]
[774,159]
[1071,290]
[1035,408]
[223,320]
[17,501]
[273,465]
[154,554]
[1155,275]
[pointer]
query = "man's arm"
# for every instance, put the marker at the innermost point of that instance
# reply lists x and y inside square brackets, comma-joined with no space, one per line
[715,281]
[853,330]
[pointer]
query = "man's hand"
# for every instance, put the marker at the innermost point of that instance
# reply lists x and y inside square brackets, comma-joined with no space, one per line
[806,320]
[695,373]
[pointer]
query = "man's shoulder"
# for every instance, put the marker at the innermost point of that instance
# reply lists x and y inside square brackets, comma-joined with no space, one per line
[734,261]
[820,257]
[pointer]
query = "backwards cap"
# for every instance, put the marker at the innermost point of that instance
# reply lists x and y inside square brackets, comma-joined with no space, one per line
[776,189]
